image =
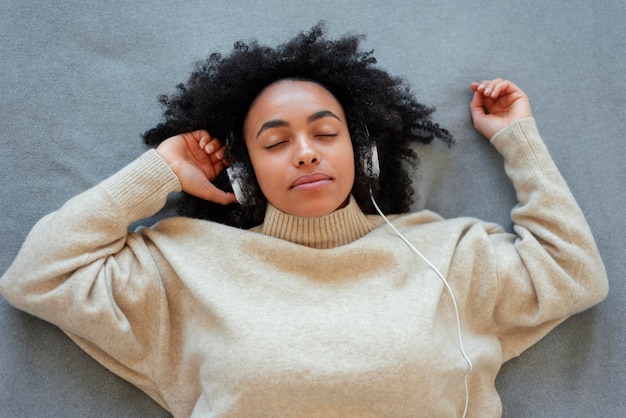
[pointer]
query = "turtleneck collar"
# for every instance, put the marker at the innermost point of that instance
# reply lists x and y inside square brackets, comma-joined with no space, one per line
[337,228]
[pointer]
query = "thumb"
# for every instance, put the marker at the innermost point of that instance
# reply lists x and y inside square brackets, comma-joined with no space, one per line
[483,122]
[477,108]
[210,192]
[194,182]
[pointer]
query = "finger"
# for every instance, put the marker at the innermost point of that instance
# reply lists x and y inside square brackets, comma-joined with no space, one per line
[215,168]
[503,88]
[203,138]
[481,86]
[218,155]
[212,146]
[509,87]
[491,87]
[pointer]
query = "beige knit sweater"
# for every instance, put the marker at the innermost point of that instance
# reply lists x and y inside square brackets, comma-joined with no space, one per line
[309,317]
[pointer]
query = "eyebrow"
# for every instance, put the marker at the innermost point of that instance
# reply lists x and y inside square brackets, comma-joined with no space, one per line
[281,123]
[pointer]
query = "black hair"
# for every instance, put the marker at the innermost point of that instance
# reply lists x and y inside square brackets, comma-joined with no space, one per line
[221,90]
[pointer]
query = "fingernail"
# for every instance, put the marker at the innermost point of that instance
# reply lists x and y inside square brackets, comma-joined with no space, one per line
[209,149]
[220,154]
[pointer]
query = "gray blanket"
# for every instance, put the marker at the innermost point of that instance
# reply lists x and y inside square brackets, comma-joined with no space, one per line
[79,83]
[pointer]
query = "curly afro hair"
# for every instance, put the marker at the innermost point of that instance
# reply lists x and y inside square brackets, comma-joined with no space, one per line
[221,90]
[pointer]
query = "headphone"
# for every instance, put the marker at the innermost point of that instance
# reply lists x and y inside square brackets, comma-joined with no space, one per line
[239,177]
[372,163]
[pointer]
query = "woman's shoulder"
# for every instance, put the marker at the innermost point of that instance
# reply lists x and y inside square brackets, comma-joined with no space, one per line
[429,220]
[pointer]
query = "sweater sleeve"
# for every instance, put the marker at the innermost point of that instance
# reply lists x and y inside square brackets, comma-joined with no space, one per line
[550,268]
[81,270]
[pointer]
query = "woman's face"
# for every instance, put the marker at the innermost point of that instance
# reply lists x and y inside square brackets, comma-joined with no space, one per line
[298,140]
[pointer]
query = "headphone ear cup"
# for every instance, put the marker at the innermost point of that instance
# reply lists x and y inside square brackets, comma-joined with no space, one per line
[239,178]
[370,162]
[241,184]
[235,183]
[374,163]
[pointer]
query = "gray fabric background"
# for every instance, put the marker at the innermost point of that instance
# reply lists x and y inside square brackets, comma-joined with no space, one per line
[79,82]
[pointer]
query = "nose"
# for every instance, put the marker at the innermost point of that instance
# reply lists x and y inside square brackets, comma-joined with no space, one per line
[305,153]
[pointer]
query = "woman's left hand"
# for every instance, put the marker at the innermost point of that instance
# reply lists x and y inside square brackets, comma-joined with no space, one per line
[497,104]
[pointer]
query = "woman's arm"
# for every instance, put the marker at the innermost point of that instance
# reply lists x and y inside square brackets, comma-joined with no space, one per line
[550,269]
[88,230]
[80,269]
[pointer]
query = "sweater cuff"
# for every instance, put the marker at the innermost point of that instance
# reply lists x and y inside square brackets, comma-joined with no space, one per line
[521,145]
[140,189]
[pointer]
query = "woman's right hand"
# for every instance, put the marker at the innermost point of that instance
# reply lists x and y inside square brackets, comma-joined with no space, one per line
[197,159]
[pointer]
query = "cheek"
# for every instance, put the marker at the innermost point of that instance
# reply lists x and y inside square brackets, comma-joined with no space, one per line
[264,180]
[266,173]
[347,164]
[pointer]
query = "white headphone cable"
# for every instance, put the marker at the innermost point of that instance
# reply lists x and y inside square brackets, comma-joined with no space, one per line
[450,292]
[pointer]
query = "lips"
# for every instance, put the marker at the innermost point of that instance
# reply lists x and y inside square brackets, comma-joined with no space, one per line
[310,180]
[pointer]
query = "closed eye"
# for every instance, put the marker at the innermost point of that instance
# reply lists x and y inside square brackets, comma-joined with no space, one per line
[275,145]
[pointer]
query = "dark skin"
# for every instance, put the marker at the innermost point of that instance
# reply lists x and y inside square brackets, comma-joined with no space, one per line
[197,158]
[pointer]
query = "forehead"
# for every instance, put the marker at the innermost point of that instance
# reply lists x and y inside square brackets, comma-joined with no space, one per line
[290,97]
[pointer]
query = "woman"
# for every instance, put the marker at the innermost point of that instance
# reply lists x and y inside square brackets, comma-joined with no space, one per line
[320,308]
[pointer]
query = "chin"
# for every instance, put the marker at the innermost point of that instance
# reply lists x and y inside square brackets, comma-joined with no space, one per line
[318,209]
